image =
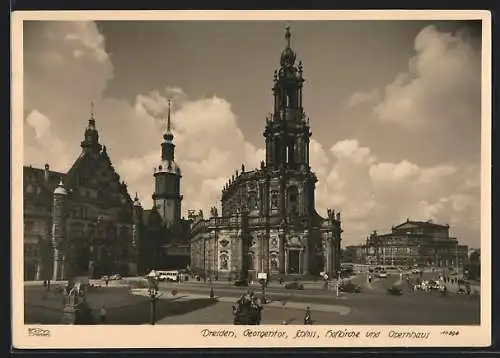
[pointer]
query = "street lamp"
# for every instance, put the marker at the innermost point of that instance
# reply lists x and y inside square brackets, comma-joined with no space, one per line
[263,279]
[154,295]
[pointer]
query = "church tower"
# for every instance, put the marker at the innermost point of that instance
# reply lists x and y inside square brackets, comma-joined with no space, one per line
[90,143]
[287,134]
[167,197]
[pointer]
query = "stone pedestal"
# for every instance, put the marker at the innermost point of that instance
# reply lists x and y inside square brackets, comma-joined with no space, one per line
[70,312]
[79,313]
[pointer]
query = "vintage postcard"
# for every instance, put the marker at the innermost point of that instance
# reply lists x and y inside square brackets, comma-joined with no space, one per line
[182,177]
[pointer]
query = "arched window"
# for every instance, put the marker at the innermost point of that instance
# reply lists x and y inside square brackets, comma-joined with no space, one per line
[252,200]
[274,200]
[224,262]
[274,262]
[251,257]
[290,152]
[293,199]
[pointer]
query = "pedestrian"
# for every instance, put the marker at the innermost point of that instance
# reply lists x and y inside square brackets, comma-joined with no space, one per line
[106,281]
[102,315]
[307,316]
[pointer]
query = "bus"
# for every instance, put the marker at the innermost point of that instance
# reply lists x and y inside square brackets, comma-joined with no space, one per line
[172,275]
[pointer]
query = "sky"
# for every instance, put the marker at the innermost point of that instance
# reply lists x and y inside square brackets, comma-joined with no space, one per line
[394,108]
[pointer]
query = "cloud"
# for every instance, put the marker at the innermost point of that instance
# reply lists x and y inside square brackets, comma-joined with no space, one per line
[441,86]
[362,98]
[373,194]
[45,145]
[67,67]
[39,123]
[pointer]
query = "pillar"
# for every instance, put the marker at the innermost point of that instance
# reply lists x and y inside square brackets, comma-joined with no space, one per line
[55,271]
[282,256]
[58,227]
[305,254]
[241,255]
[258,264]
[285,269]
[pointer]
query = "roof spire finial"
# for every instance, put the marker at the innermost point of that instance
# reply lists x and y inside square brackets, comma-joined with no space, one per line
[288,35]
[92,110]
[168,115]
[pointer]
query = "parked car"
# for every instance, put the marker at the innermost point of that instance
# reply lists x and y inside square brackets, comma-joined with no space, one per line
[382,274]
[395,291]
[295,285]
[241,283]
[349,287]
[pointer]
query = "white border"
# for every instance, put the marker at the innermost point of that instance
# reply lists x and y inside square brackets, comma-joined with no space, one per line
[188,336]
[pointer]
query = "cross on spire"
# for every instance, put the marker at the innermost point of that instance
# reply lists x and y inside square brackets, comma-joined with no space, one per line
[168,115]
[288,35]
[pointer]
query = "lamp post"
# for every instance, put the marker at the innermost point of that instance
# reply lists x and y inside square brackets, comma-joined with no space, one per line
[338,283]
[154,295]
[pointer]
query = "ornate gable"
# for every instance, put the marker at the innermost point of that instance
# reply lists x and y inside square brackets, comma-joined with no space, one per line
[94,176]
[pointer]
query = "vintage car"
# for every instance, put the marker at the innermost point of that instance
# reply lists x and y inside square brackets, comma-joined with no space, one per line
[349,287]
[295,285]
[395,291]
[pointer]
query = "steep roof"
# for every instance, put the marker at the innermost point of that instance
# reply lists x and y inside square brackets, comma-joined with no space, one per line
[36,176]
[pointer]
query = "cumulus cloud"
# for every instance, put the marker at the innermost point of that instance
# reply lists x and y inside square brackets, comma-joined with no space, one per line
[373,195]
[45,146]
[363,98]
[210,147]
[67,67]
[441,86]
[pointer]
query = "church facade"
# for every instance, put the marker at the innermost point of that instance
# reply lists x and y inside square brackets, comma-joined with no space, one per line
[268,221]
[162,234]
[79,222]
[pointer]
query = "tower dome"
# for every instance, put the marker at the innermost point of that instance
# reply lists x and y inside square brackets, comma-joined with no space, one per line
[168,166]
[288,56]
[60,190]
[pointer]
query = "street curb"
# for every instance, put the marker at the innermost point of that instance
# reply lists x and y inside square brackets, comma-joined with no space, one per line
[339,309]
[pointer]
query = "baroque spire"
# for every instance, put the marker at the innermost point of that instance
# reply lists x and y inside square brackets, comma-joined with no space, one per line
[168,136]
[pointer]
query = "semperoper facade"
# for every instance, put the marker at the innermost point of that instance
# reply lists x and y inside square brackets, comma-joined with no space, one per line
[268,221]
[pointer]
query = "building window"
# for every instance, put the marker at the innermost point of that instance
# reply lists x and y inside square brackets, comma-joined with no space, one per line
[251,265]
[224,262]
[274,262]
[29,188]
[252,200]
[293,199]
[274,200]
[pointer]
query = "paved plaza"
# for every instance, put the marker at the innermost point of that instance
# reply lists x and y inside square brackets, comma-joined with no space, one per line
[128,303]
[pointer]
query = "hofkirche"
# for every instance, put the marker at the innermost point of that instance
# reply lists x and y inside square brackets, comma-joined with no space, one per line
[88,223]
[268,221]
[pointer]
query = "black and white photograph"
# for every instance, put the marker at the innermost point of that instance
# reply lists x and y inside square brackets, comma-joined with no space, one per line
[289,173]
